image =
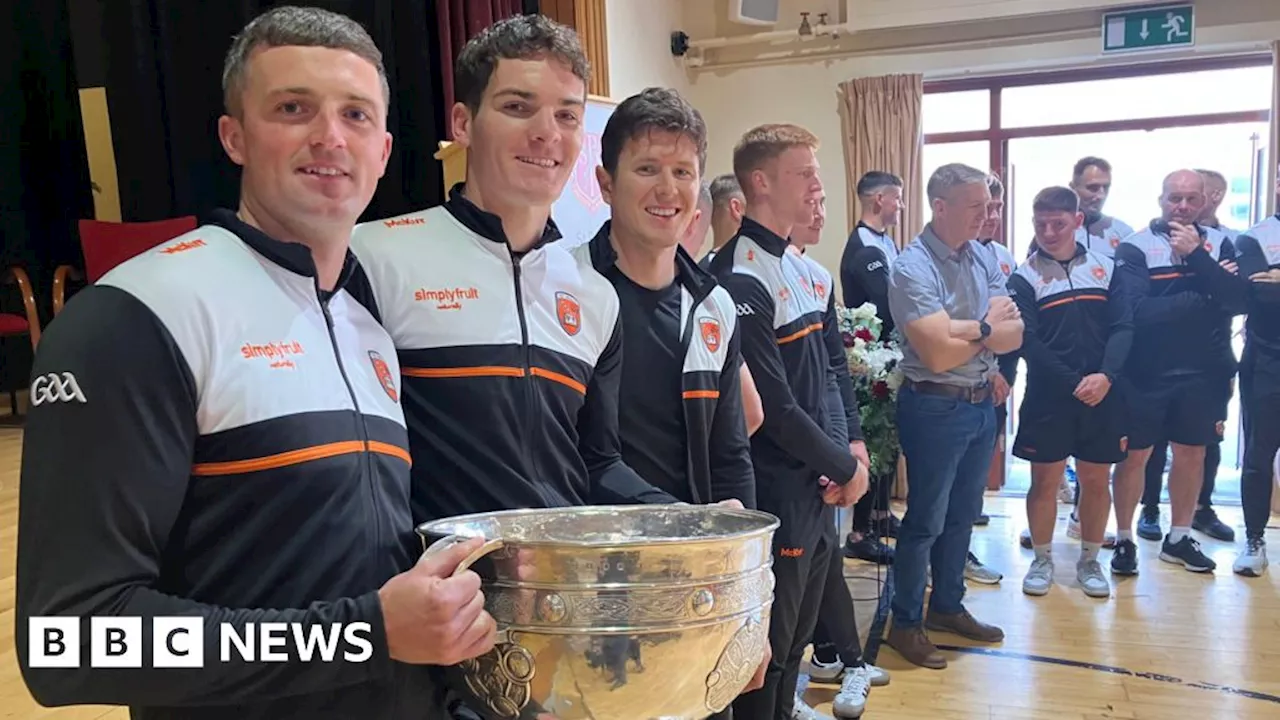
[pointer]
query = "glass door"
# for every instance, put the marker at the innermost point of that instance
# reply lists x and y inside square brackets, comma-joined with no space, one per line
[1140,160]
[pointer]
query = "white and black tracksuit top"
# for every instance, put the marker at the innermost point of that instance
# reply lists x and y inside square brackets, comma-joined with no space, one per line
[211,435]
[511,364]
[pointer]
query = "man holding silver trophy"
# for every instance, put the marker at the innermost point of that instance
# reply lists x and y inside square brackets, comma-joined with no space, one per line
[512,392]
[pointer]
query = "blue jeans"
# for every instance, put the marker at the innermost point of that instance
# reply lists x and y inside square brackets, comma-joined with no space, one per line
[948,445]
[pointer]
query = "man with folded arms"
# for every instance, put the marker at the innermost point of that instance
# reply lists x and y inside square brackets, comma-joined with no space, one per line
[1076,340]
[1258,253]
[949,299]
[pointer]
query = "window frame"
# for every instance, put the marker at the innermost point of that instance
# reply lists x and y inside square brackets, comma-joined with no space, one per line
[998,136]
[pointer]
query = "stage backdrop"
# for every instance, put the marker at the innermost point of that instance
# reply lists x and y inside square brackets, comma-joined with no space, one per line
[581,209]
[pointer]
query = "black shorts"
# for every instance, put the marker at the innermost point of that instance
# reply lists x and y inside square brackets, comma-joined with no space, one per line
[1053,429]
[1184,410]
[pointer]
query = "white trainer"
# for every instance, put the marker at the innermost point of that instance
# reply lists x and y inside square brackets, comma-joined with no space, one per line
[1039,578]
[802,711]
[851,701]
[1253,561]
[1092,580]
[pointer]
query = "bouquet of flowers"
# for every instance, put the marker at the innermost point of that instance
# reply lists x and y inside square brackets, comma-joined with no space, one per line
[873,366]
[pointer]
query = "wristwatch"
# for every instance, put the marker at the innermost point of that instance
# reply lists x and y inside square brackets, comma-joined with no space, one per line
[984,330]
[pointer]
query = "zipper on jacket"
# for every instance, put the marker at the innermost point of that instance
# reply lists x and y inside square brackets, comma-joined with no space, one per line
[361,425]
[529,419]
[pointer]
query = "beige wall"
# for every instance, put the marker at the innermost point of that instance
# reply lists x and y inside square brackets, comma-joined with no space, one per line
[739,88]
[639,42]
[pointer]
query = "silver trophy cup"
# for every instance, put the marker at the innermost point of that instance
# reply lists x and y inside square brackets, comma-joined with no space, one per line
[635,612]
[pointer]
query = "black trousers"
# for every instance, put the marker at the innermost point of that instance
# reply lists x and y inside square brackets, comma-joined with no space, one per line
[1260,403]
[835,637]
[802,549]
[877,498]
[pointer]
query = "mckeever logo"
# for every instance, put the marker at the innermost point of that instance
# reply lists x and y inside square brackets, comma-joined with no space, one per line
[404,222]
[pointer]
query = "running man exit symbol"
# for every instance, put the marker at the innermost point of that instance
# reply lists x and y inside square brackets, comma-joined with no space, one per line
[1148,28]
[1172,23]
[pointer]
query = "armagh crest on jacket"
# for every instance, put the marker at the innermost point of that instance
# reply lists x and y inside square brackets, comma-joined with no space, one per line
[501,390]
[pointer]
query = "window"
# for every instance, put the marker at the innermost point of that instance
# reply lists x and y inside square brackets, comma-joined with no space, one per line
[935,155]
[1206,92]
[956,111]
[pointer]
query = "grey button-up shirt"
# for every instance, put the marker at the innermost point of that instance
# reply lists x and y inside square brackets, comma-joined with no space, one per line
[927,277]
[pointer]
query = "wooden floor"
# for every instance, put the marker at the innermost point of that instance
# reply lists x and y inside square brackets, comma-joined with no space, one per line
[1168,644]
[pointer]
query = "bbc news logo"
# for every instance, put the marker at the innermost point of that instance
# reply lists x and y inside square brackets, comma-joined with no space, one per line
[179,642]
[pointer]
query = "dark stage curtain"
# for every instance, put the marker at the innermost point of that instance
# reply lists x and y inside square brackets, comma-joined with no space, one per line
[458,22]
[164,91]
[44,171]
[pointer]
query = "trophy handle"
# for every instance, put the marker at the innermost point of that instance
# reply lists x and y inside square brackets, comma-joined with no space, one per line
[449,541]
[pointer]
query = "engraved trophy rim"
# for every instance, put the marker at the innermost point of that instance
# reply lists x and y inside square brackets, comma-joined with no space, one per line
[469,525]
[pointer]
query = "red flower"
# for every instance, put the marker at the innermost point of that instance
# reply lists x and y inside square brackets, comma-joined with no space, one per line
[863,334]
[848,339]
[880,390]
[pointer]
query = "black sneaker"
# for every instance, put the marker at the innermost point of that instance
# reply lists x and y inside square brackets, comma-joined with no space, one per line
[1186,552]
[887,527]
[1206,521]
[1149,523]
[869,549]
[982,520]
[1124,559]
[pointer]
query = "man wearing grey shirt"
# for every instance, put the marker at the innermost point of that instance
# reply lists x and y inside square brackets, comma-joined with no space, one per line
[949,300]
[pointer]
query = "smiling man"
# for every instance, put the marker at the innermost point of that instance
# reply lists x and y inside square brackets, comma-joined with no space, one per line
[173,475]
[511,347]
[1100,233]
[1076,338]
[683,426]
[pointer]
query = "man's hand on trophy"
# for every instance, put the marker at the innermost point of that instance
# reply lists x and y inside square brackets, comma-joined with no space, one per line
[434,617]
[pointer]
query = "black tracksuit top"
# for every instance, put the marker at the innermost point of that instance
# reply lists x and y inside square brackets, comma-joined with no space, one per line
[715,463]
[781,320]
[213,436]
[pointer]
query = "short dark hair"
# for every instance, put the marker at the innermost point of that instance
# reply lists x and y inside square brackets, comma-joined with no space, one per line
[995,186]
[296,26]
[874,181]
[723,188]
[1085,163]
[1056,199]
[661,109]
[764,143]
[522,37]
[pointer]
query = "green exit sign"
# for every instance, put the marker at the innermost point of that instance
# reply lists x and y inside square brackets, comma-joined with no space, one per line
[1148,28]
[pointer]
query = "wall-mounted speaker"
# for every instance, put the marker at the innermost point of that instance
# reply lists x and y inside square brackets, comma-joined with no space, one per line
[754,12]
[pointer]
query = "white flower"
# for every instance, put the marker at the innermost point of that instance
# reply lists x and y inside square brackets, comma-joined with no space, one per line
[894,381]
